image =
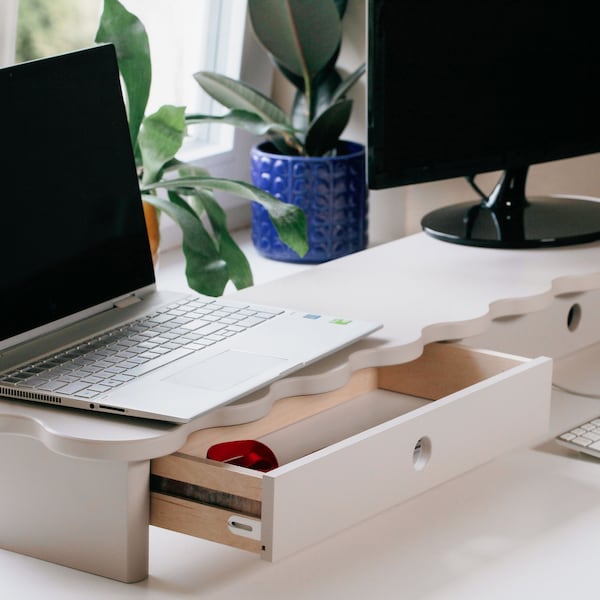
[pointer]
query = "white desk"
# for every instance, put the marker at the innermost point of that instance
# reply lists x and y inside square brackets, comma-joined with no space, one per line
[522,526]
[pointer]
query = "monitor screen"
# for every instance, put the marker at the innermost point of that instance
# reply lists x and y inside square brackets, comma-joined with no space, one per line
[461,88]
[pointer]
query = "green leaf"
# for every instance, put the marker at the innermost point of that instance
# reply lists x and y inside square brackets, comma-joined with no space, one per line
[283,137]
[243,119]
[288,219]
[327,128]
[302,35]
[347,83]
[341,6]
[185,169]
[160,138]
[205,270]
[123,29]
[237,95]
[323,91]
[238,266]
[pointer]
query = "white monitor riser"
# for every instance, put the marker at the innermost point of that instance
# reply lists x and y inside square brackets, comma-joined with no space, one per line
[82,481]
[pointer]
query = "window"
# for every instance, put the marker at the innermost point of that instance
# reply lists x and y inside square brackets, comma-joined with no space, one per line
[185,36]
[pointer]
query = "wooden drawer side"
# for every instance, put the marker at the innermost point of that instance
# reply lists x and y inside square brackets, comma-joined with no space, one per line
[201,497]
[443,369]
[199,520]
[209,474]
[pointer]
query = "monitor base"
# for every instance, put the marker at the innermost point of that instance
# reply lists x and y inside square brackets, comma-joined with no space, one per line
[541,222]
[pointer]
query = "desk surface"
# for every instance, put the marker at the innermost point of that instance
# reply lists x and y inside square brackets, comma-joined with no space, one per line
[522,526]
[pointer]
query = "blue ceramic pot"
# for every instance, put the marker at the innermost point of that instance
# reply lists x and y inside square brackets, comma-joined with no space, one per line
[332,191]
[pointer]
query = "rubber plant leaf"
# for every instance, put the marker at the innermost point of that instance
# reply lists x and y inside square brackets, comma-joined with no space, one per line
[298,81]
[160,138]
[327,128]
[341,6]
[237,95]
[322,98]
[206,272]
[347,83]
[243,119]
[128,34]
[328,90]
[289,220]
[302,35]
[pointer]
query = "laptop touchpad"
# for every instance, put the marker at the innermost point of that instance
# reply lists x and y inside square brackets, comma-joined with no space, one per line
[227,369]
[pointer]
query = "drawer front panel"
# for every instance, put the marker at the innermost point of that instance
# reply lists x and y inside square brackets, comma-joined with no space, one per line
[321,494]
[386,435]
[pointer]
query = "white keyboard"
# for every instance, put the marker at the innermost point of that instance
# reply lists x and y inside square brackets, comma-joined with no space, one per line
[583,438]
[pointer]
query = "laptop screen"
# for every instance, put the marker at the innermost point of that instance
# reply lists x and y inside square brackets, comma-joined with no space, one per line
[72,232]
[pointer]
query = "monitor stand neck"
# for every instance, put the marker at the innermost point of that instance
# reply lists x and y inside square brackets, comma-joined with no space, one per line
[505,205]
[507,219]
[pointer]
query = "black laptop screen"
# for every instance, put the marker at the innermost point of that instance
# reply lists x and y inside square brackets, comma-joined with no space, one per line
[72,231]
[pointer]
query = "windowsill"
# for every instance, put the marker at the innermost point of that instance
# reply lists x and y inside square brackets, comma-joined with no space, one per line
[170,273]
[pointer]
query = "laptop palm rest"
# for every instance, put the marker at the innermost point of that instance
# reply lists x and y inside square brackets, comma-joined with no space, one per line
[226,370]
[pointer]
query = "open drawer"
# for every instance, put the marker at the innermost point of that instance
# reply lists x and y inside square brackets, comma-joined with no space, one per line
[390,433]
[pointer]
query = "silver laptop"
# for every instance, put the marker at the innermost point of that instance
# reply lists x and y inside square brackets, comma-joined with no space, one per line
[81,322]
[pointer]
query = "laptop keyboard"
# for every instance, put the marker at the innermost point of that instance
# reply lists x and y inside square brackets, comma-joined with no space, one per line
[118,356]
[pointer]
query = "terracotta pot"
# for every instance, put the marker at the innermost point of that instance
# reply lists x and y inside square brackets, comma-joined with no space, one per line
[152,225]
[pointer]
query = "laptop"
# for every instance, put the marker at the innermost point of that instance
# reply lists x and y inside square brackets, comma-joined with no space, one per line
[82,323]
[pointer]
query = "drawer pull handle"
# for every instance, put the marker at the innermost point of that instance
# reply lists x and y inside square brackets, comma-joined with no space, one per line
[249,528]
[421,453]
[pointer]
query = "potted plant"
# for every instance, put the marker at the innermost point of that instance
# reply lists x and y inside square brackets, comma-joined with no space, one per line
[303,161]
[211,255]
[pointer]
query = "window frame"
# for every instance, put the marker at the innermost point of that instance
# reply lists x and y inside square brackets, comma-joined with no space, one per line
[8,31]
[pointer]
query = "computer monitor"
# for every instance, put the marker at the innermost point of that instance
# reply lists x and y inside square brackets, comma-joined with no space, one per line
[460,88]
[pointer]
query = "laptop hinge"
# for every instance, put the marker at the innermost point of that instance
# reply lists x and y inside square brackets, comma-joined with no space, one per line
[127,301]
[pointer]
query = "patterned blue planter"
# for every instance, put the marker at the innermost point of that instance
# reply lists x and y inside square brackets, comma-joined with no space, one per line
[332,191]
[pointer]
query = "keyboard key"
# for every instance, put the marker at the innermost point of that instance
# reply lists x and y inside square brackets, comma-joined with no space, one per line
[51,386]
[161,318]
[158,362]
[582,441]
[99,388]
[250,322]
[87,393]
[584,438]
[72,388]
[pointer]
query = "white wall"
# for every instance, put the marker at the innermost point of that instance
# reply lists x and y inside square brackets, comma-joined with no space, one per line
[399,211]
